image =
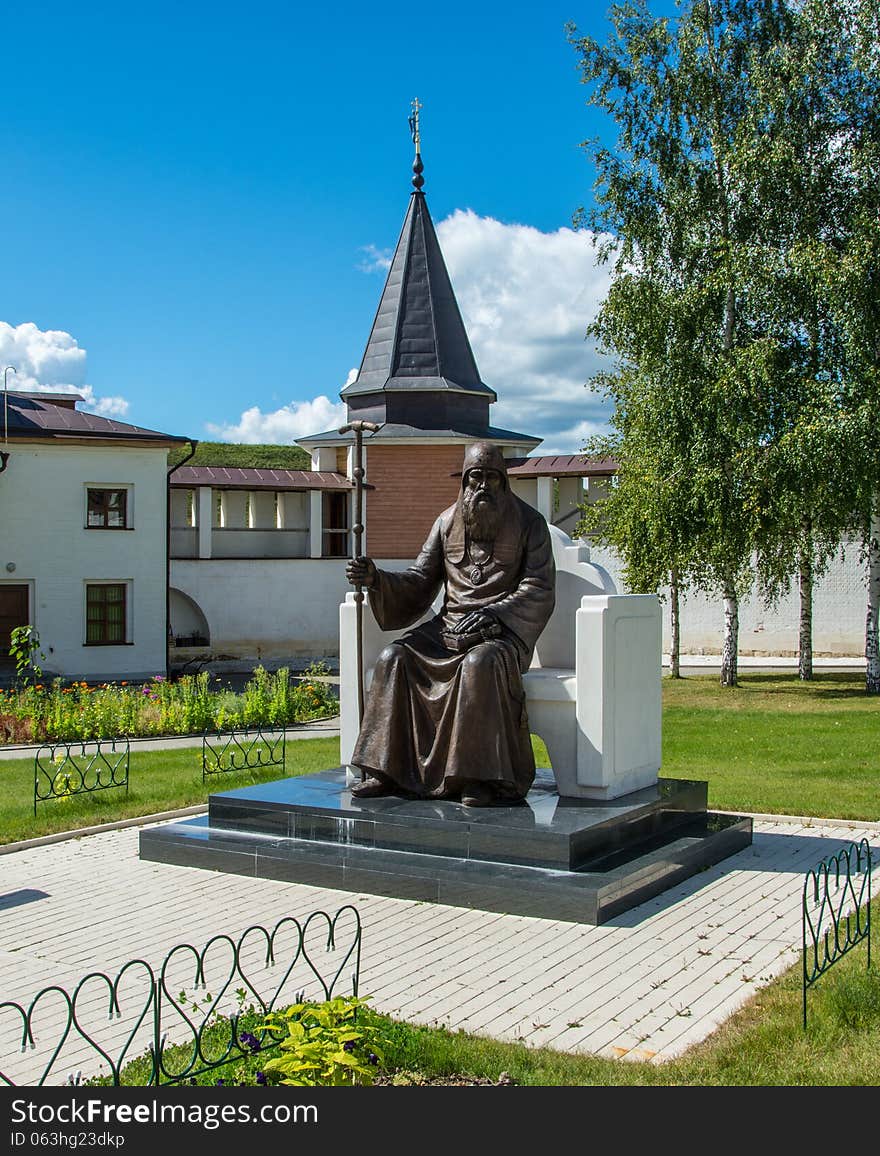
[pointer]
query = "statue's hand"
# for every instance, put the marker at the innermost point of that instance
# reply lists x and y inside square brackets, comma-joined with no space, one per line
[476,620]
[361,572]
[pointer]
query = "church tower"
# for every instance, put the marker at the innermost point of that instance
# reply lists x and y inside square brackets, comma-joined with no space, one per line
[418,380]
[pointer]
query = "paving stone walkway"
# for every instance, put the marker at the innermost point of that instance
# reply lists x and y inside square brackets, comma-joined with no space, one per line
[646,985]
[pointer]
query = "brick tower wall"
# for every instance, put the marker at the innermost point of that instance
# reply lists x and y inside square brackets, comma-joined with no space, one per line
[411,486]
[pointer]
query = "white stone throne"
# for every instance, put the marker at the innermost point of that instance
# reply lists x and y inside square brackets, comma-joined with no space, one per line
[592,691]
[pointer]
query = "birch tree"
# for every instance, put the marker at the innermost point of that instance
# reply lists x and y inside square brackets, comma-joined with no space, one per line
[741,200]
[848,56]
[684,225]
[796,156]
[642,518]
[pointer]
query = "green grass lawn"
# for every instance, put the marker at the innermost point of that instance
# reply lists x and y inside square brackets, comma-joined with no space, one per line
[158,781]
[777,745]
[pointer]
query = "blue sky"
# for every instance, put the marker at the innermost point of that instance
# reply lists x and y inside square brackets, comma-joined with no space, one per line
[198,200]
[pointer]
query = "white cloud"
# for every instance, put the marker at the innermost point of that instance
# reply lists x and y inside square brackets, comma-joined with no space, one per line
[51,361]
[286,424]
[526,298]
[568,439]
[105,406]
[283,425]
[377,260]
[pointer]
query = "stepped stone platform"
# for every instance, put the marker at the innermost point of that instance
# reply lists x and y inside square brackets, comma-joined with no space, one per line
[549,857]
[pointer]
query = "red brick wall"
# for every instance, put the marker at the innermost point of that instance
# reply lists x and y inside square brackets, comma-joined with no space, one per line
[411,487]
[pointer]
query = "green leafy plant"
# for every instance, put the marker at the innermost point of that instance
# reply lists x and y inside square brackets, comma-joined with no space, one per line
[81,711]
[331,1044]
[257,698]
[24,648]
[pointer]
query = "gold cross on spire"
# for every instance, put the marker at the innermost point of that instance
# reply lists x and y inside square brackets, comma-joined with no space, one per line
[414,123]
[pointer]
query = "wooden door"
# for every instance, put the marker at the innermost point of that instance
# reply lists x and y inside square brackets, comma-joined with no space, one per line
[13,612]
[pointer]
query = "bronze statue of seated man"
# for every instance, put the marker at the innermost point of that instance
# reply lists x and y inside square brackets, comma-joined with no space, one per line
[445,716]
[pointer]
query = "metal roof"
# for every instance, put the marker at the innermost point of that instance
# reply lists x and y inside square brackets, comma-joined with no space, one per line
[418,339]
[561,465]
[31,415]
[394,432]
[245,478]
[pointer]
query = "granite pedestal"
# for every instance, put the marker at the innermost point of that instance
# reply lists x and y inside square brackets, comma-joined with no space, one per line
[549,857]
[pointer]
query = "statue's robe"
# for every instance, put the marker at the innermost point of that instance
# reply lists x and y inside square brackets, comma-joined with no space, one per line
[435,717]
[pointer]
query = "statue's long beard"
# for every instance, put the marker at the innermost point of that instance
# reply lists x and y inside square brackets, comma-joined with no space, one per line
[482,519]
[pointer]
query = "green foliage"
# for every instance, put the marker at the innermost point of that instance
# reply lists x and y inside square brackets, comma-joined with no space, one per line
[330,1044]
[187,705]
[24,649]
[692,371]
[270,698]
[79,711]
[267,457]
[258,698]
[741,198]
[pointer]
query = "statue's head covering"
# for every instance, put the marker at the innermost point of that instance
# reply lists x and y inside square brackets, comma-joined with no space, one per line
[484,456]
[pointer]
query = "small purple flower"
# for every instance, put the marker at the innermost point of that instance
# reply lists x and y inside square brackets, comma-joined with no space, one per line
[348,1046]
[249,1040]
[372,1058]
[220,1081]
[260,1077]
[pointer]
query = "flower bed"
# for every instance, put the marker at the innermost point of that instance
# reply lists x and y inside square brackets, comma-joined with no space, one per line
[64,711]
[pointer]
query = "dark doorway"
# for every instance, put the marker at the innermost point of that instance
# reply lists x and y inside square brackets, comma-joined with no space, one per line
[335,538]
[13,612]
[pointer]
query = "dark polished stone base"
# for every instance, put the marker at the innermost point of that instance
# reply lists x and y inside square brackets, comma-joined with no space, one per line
[581,861]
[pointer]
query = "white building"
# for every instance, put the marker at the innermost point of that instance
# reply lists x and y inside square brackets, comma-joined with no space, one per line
[83,556]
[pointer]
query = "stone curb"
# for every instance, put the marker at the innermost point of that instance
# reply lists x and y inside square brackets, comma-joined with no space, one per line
[78,832]
[805,821]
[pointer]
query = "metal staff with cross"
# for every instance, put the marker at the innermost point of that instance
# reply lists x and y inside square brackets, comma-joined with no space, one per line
[357,428]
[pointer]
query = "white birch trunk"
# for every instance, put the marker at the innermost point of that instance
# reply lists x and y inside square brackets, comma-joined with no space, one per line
[730,646]
[872,651]
[675,627]
[805,629]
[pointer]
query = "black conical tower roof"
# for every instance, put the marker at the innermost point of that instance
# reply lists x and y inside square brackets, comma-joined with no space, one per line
[418,379]
[418,342]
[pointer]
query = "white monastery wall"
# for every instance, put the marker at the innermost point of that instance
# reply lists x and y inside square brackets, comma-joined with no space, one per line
[839,606]
[269,610]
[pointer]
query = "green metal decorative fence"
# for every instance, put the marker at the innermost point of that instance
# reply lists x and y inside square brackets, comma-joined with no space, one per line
[187,1016]
[246,749]
[62,770]
[836,911]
